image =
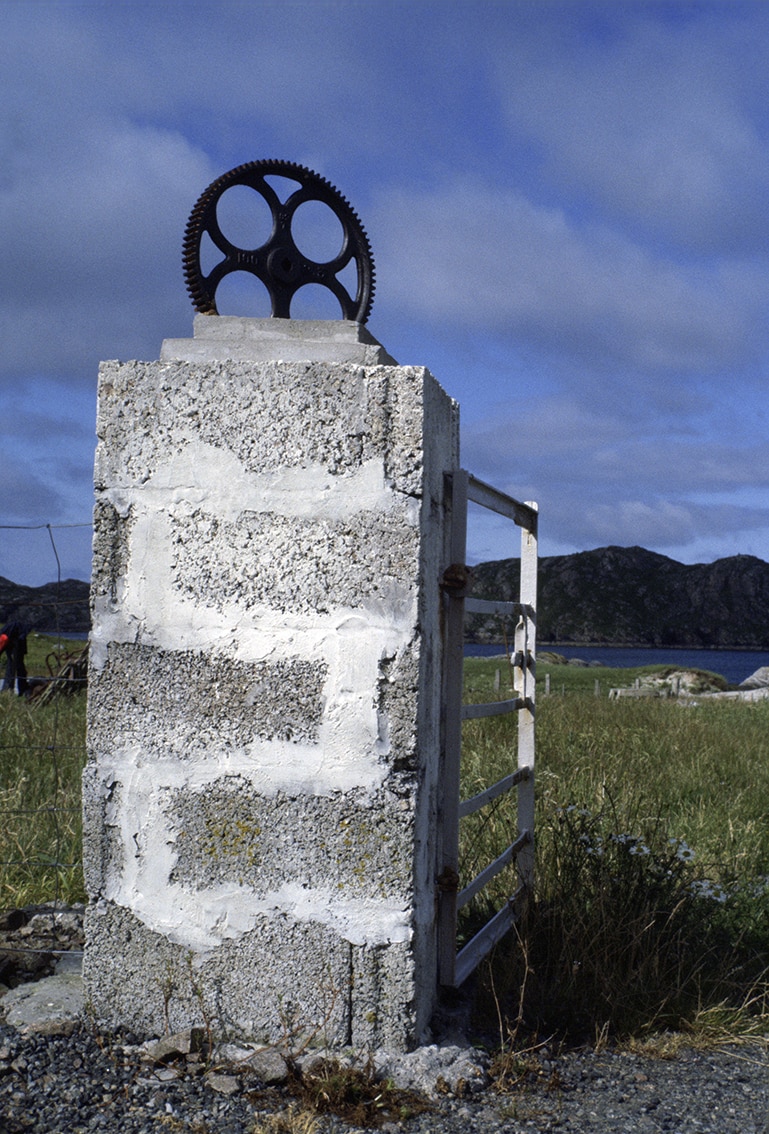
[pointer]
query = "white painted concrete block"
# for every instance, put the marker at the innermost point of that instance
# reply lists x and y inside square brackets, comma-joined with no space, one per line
[260,798]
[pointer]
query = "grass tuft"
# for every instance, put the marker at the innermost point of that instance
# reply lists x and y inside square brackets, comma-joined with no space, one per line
[292,1120]
[354,1093]
[652,900]
[42,753]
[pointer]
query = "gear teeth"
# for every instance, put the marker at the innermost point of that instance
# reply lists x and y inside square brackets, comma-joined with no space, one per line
[204,300]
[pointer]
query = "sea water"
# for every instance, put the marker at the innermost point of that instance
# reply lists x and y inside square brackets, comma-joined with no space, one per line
[733,665]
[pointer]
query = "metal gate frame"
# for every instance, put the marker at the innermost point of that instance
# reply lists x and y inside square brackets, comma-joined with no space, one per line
[460,487]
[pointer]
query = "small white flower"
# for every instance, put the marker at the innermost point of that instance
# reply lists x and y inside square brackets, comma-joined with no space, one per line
[593,846]
[683,852]
[704,888]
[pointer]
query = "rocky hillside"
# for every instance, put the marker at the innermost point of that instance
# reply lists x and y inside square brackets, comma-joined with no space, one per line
[54,607]
[629,596]
[611,596]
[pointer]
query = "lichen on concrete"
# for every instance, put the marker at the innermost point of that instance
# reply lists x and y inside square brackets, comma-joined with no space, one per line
[103,848]
[143,696]
[355,843]
[368,559]
[110,551]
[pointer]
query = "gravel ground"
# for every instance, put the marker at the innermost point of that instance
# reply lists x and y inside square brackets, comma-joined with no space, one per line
[68,1084]
[72,1081]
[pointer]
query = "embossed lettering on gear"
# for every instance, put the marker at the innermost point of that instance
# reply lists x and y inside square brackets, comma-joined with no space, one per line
[279,262]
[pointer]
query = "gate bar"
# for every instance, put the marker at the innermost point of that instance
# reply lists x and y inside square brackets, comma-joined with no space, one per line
[453,680]
[525,515]
[492,708]
[476,802]
[468,959]
[491,871]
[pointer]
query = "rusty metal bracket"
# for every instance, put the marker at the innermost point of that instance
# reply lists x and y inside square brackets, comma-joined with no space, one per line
[448,881]
[457,580]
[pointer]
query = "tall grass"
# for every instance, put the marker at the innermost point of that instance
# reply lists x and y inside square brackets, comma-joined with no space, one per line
[652,897]
[42,752]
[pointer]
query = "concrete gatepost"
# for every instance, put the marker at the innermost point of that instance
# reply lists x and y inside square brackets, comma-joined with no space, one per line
[261,793]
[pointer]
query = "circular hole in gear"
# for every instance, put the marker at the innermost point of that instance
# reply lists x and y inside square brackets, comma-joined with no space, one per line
[283,186]
[241,293]
[348,278]
[317,231]
[209,254]
[244,217]
[313,301]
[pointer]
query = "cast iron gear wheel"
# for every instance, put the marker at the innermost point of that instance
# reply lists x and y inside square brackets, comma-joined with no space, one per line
[278,263]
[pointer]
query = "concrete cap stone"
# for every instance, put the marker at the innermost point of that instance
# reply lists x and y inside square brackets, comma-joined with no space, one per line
[220,337]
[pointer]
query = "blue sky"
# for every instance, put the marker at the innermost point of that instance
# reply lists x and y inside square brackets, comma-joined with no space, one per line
[567,205]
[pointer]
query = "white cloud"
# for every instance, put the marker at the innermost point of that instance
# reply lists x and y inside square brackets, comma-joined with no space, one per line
[564,441]
[673,525]
[108,133]
[657,120]
[496,260]
[604,478]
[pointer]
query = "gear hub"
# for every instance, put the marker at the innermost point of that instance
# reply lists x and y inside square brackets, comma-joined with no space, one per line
[278,262]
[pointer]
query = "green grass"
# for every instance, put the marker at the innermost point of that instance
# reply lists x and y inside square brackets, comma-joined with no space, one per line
[42,752]
[652,903]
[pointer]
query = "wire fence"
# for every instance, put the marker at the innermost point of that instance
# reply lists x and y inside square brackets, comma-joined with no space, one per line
[42,753]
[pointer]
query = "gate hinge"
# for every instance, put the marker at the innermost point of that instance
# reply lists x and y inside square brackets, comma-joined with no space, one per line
[457,580]
[448,880]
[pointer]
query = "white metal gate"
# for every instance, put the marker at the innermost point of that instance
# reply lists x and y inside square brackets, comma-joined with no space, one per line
[455,967]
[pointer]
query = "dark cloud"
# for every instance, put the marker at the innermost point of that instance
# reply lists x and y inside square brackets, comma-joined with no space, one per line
[25,495]
[566,204]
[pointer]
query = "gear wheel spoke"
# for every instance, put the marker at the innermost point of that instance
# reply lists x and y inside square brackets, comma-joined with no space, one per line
[281,266]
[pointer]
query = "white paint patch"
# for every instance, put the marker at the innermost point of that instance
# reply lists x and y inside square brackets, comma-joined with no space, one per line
[350,746]
[350,643]
[202,920]
[200,475]
[268,767]
[361,921]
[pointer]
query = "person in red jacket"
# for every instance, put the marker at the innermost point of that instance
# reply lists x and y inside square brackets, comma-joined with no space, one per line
[13,642]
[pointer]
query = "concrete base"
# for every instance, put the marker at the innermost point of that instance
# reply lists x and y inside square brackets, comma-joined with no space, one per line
[284,982]
[218,337]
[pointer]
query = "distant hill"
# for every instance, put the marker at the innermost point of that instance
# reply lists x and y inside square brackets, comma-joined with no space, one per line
[61,607]
[628,596]
[620,596]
